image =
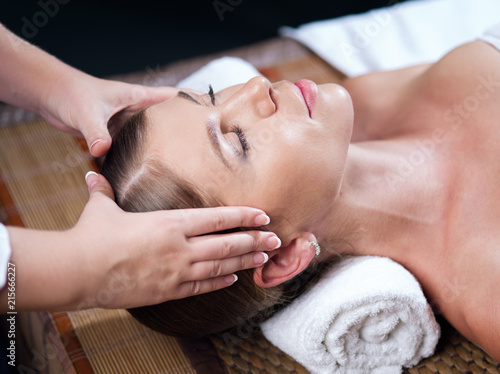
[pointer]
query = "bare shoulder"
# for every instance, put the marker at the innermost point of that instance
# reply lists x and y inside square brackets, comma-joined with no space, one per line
[457,68]
[471,300]
[470,69]
[465,79]
[482,318]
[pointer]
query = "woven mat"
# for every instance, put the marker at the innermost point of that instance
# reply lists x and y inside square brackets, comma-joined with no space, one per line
[42,186]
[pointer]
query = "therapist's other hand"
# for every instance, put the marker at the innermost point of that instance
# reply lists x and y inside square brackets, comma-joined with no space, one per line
[138,259]
[68,98]
[94,107]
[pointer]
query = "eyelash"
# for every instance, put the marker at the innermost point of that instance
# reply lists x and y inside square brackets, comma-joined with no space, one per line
[211,94]
[235,129]
[241,136]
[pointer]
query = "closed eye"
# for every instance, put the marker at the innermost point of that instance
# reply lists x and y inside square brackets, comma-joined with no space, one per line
[242,138]
[234,129]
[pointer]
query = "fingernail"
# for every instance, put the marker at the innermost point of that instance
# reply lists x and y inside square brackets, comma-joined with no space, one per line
[262,219]
[259,260]
[273,242]
[94,143]
[91,178]
[231,278]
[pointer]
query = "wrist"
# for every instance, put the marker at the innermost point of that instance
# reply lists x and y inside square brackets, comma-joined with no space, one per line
[67,85]
[95,286]
[49,273]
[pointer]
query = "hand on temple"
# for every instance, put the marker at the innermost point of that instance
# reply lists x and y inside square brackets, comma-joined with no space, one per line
[117,259]
[174,258]
[69,99]
[94,107]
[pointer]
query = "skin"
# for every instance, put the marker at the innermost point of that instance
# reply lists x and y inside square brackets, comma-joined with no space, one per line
[289,152]
[422,163]
[135,259]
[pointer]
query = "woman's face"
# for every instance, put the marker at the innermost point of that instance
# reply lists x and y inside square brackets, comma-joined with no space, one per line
[259,144]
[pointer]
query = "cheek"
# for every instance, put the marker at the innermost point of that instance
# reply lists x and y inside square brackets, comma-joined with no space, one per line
[286,182]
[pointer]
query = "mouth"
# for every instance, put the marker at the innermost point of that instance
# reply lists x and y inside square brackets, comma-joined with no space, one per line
[308,90]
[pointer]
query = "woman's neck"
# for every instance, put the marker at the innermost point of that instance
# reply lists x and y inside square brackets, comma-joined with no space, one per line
[390,204]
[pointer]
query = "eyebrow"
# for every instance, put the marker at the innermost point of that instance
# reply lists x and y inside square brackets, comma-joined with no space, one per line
[214,140]
[187,96]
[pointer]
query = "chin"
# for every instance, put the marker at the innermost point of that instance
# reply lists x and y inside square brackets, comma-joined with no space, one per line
[333,101]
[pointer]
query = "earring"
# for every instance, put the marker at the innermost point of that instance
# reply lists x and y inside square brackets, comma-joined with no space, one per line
[316,247]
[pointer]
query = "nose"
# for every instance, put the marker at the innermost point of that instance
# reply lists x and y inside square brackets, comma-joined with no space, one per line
[254,97]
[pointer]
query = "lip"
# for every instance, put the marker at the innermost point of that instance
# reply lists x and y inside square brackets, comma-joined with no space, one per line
[308,89]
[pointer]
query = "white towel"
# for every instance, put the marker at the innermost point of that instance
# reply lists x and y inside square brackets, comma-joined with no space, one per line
[365,315]
[405,34]
[220,73]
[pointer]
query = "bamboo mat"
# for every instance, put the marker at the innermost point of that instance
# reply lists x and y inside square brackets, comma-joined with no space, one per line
[42,173]
[42,186]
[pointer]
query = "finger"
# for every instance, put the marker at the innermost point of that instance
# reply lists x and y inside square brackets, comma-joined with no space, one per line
[160,94]
[217,268]
[207,220]
[214,247]
[209,285]
[97,184]
[98,139]
[142,96]
[138,98]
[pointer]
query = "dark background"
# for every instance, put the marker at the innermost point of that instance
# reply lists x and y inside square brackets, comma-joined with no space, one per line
[113,37]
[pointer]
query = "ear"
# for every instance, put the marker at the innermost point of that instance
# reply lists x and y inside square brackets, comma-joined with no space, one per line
[286,262]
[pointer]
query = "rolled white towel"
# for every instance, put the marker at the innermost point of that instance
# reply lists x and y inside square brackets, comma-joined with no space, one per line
[365,315]
[220,73]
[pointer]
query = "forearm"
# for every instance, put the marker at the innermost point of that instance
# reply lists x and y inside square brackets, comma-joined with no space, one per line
[47,274]
[28,75]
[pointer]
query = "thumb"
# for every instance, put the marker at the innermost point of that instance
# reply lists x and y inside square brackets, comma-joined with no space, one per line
[159,94]
[97,184]
[98,141]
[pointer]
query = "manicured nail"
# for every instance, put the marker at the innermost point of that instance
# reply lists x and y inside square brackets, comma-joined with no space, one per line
[92,182]
[262,219]
[273,242]
[260,258]
[231,278]
[90,173]
[94,143]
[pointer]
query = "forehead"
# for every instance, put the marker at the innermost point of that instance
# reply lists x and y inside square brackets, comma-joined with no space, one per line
[178,136]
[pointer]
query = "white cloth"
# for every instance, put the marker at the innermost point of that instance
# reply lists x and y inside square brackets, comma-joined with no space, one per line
[221,73]
[394,37]
[492,36]
[365,315]
[4,255]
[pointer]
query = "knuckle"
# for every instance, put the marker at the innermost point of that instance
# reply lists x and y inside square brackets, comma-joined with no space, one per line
[137,93]
[217,269]
[245,218]
[195,288]
[219,222]
[171,225]
[258,240]
[253,240]
[245,262]
[227,249]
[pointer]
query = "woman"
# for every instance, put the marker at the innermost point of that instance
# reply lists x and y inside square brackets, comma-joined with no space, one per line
[418,183]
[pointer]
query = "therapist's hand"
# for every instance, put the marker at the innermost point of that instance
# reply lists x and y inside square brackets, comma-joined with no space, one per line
[68,98]
[95,107]
[136,259]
